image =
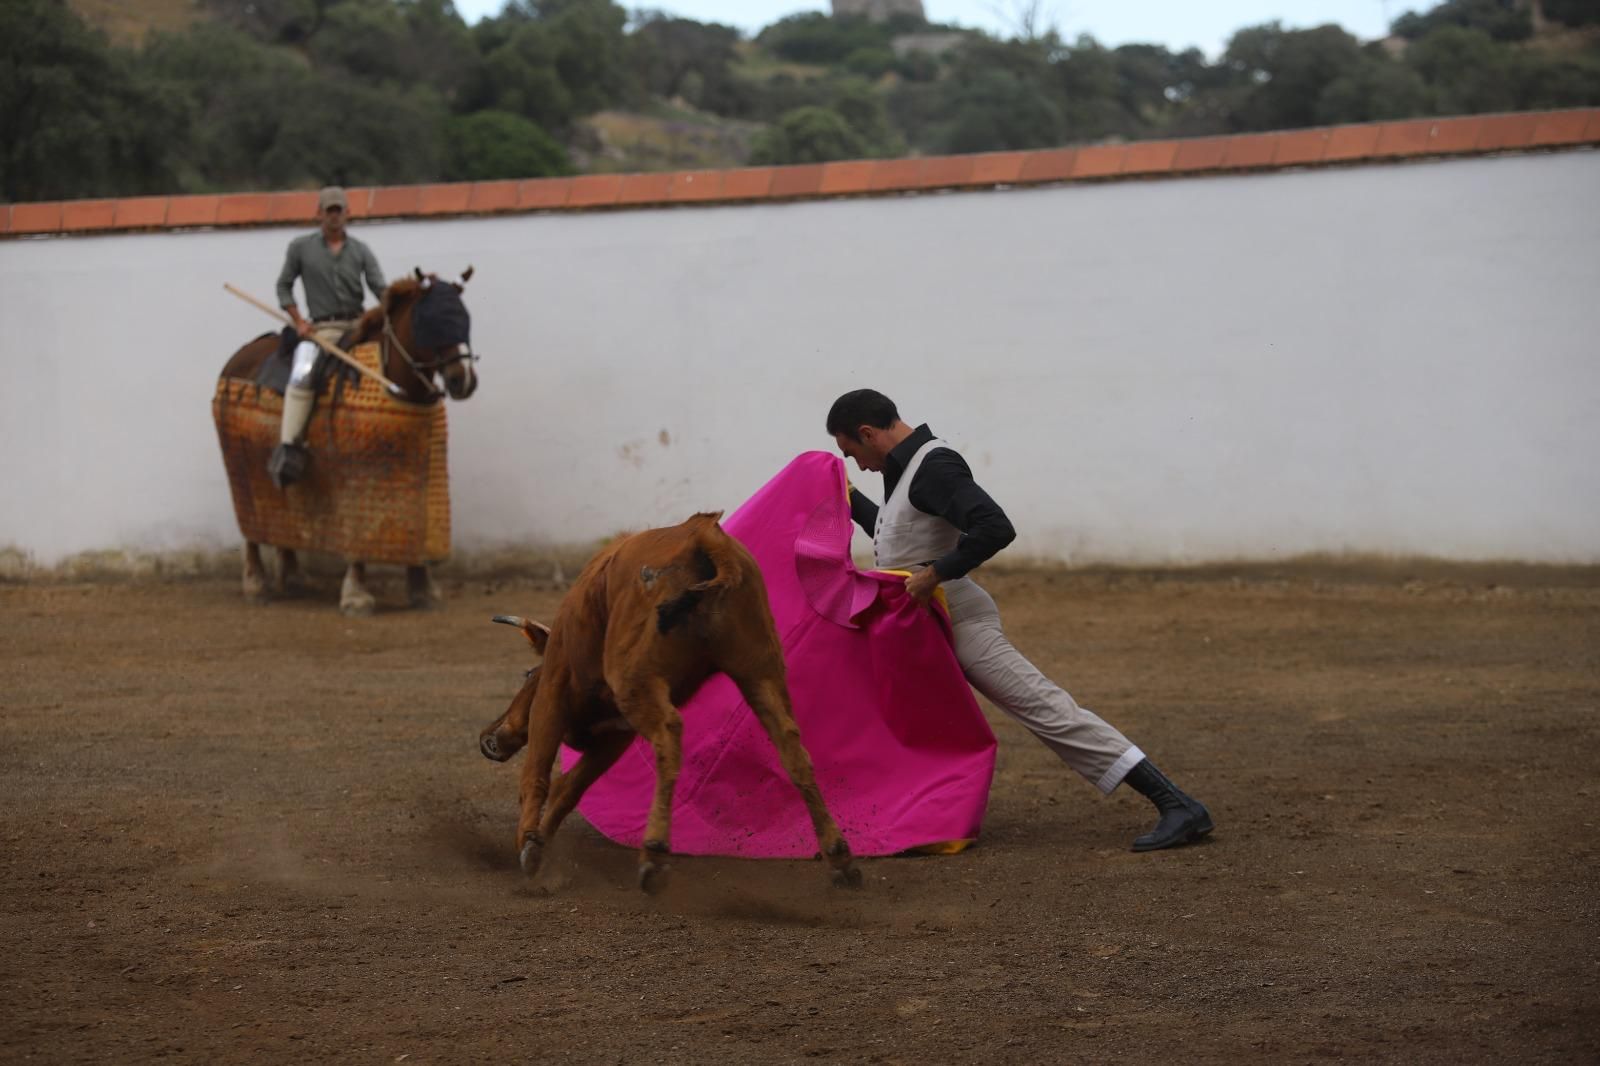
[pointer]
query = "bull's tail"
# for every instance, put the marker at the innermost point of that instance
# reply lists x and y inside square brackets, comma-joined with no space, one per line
[717,565]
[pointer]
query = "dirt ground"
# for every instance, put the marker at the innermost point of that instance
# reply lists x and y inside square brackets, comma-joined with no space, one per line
[240,834]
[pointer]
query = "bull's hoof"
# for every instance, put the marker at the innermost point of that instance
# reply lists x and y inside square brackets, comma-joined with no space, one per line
[848,877]
[491,748]
[653,876]
[255,592]
[532,855]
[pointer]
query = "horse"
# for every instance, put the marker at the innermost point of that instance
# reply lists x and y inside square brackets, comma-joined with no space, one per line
[445,352]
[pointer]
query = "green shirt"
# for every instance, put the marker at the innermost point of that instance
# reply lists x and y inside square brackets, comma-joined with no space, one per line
[332,282]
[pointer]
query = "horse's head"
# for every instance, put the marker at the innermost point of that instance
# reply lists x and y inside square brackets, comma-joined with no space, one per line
[428,332]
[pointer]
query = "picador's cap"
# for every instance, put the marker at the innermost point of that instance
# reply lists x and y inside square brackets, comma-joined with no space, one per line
[332,196]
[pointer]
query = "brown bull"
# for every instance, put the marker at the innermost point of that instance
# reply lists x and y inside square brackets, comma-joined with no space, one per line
[647,622]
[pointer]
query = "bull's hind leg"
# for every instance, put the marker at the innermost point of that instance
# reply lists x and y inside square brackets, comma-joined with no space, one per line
[544,738]
[647,705]
[769,697]
[354,599]
[254,581]
[420,589]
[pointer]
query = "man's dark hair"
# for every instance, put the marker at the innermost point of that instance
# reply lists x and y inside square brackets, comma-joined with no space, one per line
[863,407]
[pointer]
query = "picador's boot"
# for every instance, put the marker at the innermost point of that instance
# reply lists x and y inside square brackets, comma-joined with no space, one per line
[287,464]
[289,458]
[1184,819]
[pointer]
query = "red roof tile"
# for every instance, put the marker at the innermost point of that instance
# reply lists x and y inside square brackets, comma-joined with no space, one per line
[946,171]
[243,209]
[594,190]
[192,211]
[1250,150]
[1452,135]
[1102,161]
[1500,132]
[1301,148]
[639,189]
[80,215]
[853,176]
[748,183]
[789,182]
[451,199]
[997,168]
[1201,153]
[1560,127]
[488,196]
[696,186]
[893,175]
[1150,157]
[1051,164]
[539,193]
[36,218]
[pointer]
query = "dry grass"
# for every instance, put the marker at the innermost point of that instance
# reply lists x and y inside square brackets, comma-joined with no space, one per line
[130,23]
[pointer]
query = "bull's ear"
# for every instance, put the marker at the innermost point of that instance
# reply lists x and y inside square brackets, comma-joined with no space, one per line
[538,633]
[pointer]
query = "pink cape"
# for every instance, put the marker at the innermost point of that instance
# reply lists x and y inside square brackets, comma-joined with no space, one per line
[902,753]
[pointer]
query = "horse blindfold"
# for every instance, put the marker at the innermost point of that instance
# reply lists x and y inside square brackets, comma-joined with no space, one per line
[441,319]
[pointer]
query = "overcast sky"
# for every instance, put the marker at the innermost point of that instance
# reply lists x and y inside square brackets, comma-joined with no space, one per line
[1178,24]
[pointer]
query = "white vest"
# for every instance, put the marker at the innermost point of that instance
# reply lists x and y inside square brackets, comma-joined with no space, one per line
[905,537]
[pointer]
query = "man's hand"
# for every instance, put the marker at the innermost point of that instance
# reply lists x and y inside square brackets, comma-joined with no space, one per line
[922,583]
[301,325]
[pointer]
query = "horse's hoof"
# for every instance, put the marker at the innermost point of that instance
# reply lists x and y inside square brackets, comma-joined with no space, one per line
[491,748]
[358,608]
[653,876]
[532,855]
[849,877]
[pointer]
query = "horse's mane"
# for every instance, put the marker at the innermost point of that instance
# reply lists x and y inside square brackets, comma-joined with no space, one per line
[395,297]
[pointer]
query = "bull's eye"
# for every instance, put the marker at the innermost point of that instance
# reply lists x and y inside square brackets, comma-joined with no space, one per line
[528,672]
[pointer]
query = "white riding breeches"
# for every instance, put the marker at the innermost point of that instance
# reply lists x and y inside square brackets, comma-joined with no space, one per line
[1082,739]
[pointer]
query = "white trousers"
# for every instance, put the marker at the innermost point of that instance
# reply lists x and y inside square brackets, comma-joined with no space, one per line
[1083,740]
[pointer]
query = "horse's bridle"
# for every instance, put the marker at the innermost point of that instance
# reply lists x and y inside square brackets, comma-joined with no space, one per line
[422,371]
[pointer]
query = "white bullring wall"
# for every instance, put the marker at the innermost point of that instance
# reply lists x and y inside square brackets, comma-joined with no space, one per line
[1384,359]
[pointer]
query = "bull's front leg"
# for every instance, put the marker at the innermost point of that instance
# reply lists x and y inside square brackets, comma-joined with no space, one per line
[291,580]
[544,739]
[647,705]
[768,696]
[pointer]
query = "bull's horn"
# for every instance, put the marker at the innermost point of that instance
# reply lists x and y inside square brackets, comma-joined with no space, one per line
[511,620]
[466,277]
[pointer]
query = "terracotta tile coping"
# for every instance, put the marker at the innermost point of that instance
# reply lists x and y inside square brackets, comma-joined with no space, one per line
[1366,143]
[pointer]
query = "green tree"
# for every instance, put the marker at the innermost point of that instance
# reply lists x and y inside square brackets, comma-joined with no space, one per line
[1466,71]
[1500,20]
[1286,73]
[488,145]
[808,135]
[76,118]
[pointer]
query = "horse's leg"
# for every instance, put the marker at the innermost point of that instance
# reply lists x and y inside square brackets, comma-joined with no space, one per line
[254,582]
[354,599]
[420,588]
[291,579]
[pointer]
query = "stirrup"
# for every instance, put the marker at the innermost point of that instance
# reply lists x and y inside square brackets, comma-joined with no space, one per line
[288,464]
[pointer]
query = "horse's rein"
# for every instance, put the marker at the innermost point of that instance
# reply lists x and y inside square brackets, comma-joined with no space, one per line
[390,337]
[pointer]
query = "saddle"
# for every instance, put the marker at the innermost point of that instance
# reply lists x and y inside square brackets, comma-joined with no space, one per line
[274,372]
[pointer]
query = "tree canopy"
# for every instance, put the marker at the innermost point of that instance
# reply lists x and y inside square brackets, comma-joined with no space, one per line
[297,93]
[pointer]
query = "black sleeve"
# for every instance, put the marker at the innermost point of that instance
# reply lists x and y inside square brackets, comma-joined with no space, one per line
[863,510]
[944,487]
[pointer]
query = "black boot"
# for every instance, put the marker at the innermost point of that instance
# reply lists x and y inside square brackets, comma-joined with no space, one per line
[288,464]
[1183,818]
